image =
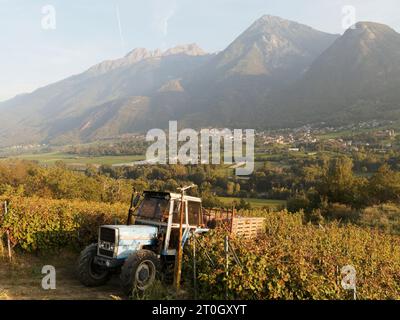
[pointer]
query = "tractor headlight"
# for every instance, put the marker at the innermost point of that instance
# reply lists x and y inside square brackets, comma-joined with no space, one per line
[106,245]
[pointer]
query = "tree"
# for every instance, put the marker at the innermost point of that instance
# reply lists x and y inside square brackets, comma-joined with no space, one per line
[210,200]
[384,186]
[243,205]
[339,183]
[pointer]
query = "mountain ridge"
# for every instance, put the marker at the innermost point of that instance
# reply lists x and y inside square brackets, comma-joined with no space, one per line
[355,79]
[139,54]
[276,73]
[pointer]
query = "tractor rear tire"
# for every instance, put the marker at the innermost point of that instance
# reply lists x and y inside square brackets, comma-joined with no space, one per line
[139,272]
[90,274]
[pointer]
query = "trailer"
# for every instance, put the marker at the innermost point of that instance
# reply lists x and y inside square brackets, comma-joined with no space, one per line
[237,226]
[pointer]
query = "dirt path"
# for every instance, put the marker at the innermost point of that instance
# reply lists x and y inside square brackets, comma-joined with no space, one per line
[22,279]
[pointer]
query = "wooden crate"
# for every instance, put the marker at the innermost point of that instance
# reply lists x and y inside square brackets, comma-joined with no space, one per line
[246,227]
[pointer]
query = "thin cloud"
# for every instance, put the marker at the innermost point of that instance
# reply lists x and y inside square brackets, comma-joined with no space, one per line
[120,28]
[163,12]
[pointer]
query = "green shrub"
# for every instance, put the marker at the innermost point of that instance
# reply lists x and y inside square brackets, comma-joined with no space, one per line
[298,203]
[385,217]
[342,212]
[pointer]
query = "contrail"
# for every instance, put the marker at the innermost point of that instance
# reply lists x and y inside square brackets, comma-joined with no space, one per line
[120,28]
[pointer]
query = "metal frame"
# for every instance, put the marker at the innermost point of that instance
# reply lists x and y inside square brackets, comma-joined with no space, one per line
[167,226]
[170,226]
[173,198]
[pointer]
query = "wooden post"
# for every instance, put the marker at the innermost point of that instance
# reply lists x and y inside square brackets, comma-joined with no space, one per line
[178,258]
[179,252]
[7,233]
[194,266]
[355,292]
[226,247]
[232,217]
[9,246]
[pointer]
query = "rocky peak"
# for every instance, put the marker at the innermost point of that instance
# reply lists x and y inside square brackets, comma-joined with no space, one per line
[368,30]
[367,37]
[268,24]
[139,54]
[189,49]
[272,43]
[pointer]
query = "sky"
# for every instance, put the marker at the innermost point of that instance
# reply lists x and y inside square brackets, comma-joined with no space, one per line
[46,41]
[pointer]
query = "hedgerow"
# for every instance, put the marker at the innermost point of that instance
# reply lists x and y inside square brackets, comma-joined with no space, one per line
[38,224]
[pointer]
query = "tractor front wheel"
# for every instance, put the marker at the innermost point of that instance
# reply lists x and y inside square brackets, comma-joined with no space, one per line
[139,272]
[90,274]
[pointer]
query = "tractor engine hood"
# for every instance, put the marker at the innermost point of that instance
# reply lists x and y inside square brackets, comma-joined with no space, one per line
[136,232]
[129,239]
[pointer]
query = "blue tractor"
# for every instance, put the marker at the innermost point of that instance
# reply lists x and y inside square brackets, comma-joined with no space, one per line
[141,250]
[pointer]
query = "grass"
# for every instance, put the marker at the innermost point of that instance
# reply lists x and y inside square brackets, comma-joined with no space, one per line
[255,203]
[52,157]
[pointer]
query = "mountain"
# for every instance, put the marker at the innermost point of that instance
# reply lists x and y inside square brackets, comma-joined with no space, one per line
[275,47]
[356,79]
[58,111]
[271,54]
[146,88]
[276,73]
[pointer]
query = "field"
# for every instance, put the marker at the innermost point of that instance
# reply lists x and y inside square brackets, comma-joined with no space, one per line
[295,258]
[255,203]
[291,260]
[52,157]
